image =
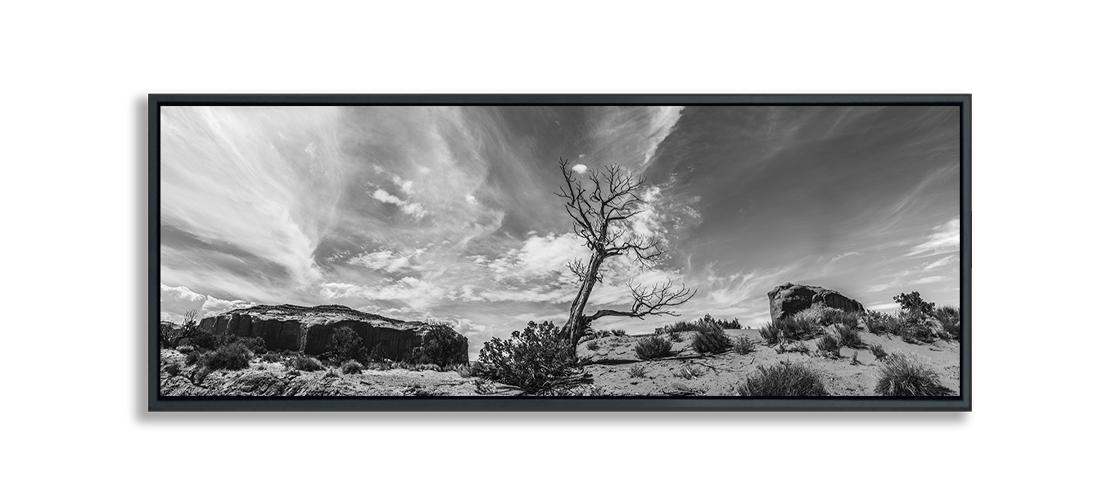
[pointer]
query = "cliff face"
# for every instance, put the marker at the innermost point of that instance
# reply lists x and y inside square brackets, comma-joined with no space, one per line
[310,329]
[788,299]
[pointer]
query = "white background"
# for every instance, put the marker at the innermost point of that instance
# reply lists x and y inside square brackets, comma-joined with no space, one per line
[73,201]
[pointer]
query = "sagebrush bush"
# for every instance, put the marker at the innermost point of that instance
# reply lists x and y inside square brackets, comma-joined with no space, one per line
[849,336]
[769,333]
[619,333]
[950,317]
[784,379]
[173,369]
[878,351]
[882,323]
[906,375]
[695,325]
[710,339]
[271,357]
[917,333]
[797,327]
[828,344]
[532,359]
[637,371]
[352,367]
[744,346]
[192,357]
[229,356]
[653,347]
[305,363]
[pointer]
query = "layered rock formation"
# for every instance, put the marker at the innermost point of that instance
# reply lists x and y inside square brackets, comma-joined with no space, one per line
[310,329]
[789,298]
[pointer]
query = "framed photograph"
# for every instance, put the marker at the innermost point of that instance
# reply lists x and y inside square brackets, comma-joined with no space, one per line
[560,252]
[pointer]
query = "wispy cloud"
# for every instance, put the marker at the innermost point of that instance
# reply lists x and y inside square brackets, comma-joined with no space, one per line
[944,238]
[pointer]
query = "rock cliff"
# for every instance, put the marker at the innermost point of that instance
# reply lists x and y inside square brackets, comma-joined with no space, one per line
[789,298]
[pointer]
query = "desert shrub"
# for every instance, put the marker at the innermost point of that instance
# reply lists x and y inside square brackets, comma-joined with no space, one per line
[797,327]
[913,305]
[166,334]
[271,357]
[950,317]
[828,344]
[906,375]
[345,345]
[675,337]
[637,371]
[878,351]
[689,372]
[230,356]
[173,368]
[593,345]
[532,359]
[619,332]
[849,336]
[710,339]
[744,346]
[784,379]
[834,316]
[352,367]
[441,345]
[653,347]
[696,325]
[770,333]
[192,358]
[254,345]
[200,374]
[305,363]
[917,333]
[882,323]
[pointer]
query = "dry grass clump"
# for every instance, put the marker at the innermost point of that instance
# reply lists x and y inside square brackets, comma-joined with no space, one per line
[848,336]
[744,346]
[882,323]
[784,379]
[230,356]
[917,333]
[352,367]
[689,372]
[653,347]
[905,375]
[637,371]
[878,351]
[769,333]
[304,363]
[950,317]
[829,345]
[711,339]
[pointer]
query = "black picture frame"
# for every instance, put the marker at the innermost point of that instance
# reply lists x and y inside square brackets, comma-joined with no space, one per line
[150,412]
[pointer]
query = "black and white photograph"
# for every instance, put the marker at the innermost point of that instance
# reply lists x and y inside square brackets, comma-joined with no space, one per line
[698,250]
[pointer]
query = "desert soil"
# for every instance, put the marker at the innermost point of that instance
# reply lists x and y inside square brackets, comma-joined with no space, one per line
[609,369]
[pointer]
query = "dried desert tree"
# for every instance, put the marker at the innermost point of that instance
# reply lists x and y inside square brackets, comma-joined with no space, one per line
[601,209]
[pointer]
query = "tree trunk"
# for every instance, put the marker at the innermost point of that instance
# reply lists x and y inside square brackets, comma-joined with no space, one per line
[575,325]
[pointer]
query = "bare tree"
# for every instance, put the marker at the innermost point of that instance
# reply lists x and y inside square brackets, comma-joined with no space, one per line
[601,210]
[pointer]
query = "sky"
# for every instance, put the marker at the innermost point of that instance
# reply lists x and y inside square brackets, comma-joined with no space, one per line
[449,213]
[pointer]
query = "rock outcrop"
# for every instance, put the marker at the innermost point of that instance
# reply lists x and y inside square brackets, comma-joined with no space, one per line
[310,329]
[789,298]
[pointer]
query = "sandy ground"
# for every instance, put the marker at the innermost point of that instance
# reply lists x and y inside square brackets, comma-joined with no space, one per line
[273,379]
[610,369]
[615,357]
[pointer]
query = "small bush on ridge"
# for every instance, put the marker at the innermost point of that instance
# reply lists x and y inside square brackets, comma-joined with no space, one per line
[305,363]
[230,356]
[351,367]
[531,359]
[711,339]
[744,346]
[905,375]
[849,337]
[784,379]
[653,347]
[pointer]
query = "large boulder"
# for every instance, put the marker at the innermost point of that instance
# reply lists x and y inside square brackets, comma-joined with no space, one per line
[789,298]
[311,329]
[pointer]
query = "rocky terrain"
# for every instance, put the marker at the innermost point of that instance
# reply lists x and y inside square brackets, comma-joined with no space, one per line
[610,362]
[310,329]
